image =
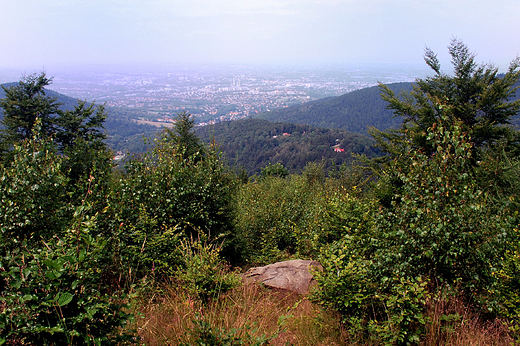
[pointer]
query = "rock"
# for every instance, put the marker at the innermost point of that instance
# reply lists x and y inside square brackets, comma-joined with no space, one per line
[291,275]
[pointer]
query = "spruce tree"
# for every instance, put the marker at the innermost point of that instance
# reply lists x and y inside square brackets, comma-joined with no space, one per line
[477,94]
[183,136]
[22,106]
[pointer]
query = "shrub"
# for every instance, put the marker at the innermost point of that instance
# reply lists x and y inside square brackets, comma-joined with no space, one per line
[33,194]
[51,293]
[164,198]
[441,230]
[203,273]
[278,217]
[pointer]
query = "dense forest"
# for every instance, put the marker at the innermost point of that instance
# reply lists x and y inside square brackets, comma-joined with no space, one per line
[419,246]
[354,112]
[254,143]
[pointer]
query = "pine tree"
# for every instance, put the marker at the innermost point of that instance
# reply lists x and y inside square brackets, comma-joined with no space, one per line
[477,94]
[183,136]
[22,106]
[85,122]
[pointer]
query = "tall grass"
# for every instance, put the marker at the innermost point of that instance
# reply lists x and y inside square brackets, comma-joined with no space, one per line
[250,313]
[255,315]
[453,322]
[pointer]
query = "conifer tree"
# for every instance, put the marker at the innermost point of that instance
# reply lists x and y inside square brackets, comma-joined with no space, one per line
[22,106]
[477,94]
[85,122]
[183,136]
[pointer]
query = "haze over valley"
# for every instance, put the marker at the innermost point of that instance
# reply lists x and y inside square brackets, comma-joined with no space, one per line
[220,92]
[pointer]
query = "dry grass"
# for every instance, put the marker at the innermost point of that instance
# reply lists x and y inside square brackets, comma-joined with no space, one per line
[252,310]
[452,322]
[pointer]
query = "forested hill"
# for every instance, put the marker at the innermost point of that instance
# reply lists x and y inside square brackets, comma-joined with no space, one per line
[123,133]
[355,111]
[254,143]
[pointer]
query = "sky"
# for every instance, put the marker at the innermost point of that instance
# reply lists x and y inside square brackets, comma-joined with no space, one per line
[45,33]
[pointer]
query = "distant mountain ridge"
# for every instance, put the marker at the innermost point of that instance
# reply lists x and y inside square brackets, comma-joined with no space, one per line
[354,111]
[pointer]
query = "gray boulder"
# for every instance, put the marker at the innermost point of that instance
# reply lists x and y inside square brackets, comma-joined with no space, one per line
[294,275]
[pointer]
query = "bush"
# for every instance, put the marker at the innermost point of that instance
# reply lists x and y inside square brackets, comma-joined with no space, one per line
[203,273]
[441,230]
[51,293]
[164,198]
[277,218]
[33,194]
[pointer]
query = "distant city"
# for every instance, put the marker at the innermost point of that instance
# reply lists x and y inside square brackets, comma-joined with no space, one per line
[220,93]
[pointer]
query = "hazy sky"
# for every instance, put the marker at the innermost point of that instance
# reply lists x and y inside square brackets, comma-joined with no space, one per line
[40,33]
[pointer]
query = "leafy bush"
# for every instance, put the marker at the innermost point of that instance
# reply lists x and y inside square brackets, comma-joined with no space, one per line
[163,198]
[441,230]
[442,224]
[51,293]
[277,218]
[39,188]
[33,194]
[203,273]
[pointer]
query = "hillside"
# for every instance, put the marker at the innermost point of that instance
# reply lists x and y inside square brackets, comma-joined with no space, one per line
[354,111]
[123,133]
[254,143]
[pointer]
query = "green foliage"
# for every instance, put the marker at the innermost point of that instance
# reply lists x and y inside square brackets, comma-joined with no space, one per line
[163,198]
[269,214]
[441,229]
[203,273]
[204,334]
[85,122]
[34,125]
[183,135]
[278,218]
[23,105]
[39,187]
[88,161]
[51,293]
[33,194]
[53,259]
[254,143]
[476,95]
[274,170]
[388,310]
[507,287]
[442,225]
[88,167]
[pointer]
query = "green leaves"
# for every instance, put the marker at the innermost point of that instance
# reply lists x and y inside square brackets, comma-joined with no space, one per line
[476,96]
[63,298]
[164,199]
[441,229]
[51,294]
[32,193]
